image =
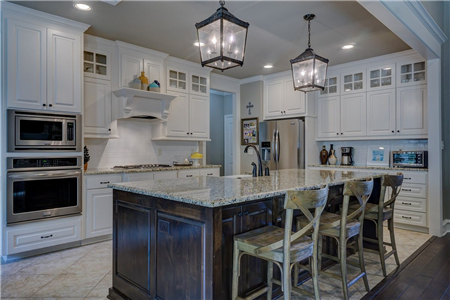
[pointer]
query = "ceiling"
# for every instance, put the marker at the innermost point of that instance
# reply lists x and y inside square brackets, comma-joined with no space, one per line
[277,31]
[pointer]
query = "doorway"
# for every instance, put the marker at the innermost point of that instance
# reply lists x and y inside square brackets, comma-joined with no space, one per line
[228,144]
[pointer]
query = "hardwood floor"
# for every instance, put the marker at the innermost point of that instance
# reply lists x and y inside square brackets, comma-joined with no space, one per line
[424,275]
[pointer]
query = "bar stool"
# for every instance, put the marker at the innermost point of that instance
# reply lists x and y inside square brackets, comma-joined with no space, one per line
[378,216]
[281,246]
[343,227]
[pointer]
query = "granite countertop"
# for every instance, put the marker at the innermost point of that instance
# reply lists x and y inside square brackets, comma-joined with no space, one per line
[221,191]
[119,171]
[369,168]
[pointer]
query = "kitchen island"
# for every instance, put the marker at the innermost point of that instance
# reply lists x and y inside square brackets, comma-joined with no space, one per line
[172,239]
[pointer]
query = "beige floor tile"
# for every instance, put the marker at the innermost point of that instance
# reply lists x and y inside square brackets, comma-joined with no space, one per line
[69,286]
[9,268]
[49,266]
[90,265]
[101,290]
[18,286]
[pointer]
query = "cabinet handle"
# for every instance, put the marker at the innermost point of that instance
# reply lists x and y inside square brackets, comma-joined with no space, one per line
[44,104]
[406,203]
[50,105]
[46,236]
[407,178]
[188,175]
[104,182]
[209,174]
[406,217]
[406,190]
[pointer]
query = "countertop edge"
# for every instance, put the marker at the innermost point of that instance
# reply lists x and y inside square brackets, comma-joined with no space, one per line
[121,171]
[369,168]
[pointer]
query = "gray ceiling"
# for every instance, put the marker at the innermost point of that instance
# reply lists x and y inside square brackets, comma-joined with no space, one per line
[277,31]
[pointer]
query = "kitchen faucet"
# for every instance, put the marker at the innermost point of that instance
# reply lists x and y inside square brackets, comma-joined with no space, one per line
[260,169]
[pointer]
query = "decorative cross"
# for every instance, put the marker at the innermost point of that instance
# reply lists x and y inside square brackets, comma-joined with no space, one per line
[249,106]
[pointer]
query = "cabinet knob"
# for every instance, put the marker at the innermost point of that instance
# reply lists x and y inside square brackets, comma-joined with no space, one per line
[44,104]
[50,105]
[246,213]
[398,130]
[109,129]
[187,132]
[341,133]
[337,133]
[393,131]
[240,214]
[191,133]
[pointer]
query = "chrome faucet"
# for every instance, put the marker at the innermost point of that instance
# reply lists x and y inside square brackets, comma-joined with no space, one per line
[260,169]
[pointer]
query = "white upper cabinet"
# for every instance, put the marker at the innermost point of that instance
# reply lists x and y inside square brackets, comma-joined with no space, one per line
[64,71]
[199,116]
[353,115]
[153,71]
[97,107]
[281,100]
[42,64]
[199,84]
[178,119]
[26,67]
[381,77]
[177,80]
[96,64]
[329,123]
[411,73]
[412,112]
[381,113]
[331,86]
[353,82]
[131,66]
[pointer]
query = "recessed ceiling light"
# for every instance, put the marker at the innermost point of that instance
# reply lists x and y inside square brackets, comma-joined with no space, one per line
[348,47]
[82,6]
[198,44]
[268,66]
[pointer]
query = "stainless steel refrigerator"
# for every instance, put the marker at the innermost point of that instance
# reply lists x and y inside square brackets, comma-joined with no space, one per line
[282,143]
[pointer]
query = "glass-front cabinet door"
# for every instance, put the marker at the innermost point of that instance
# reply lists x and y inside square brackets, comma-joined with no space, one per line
[177,80]
[331,86]
[353,82]
[199,85]
[411,73]
[96,64]
[381,77]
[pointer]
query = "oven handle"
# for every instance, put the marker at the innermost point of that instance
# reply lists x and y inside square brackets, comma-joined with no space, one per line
[44,174]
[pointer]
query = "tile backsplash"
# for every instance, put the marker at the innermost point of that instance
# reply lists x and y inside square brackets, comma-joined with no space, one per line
[361,147]
[135,146]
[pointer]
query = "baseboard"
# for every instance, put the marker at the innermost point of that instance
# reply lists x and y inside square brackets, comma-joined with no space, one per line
[446,226]
[412,228]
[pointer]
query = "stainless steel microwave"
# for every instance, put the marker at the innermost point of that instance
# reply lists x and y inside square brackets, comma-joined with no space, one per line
[33,131]
[410,159]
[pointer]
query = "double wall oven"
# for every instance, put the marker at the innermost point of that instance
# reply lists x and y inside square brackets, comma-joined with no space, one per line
[40,185]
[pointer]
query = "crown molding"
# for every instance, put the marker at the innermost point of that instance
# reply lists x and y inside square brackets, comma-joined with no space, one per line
[422,14]
[53,19]
[126,46]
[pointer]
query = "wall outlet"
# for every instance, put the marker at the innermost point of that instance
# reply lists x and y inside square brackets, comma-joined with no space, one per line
[159,151]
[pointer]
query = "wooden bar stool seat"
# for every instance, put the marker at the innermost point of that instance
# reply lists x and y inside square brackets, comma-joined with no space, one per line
[341,227]
[373,213]
[281,246]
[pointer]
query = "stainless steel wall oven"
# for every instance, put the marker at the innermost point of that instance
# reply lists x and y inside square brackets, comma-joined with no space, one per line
[32,131]
[41,188]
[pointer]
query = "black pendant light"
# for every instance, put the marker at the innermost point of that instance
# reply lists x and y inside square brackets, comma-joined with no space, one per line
[222,39]
[309,70]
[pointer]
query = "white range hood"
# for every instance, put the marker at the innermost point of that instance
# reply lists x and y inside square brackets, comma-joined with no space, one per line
[133,103]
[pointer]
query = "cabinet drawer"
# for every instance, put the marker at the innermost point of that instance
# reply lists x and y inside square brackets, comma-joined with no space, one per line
[188,173]
[210,172]
[410,217]
[101,181]
[411,204]
[413,190]
[138,176]
[35,237]
[413,177]
[165,175]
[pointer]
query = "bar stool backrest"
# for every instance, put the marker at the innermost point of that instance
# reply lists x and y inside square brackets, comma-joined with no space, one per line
[395,183]
[303,200]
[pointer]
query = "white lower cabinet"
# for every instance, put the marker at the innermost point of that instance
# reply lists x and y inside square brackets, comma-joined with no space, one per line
[410,218]
[164,175]
[199,172]
[39,235]
[188,173]
[210,172]
[138,176]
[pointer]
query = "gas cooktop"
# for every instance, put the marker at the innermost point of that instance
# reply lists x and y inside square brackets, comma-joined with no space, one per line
[148,166]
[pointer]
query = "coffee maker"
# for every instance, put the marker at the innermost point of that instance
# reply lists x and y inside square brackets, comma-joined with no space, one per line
[347,156]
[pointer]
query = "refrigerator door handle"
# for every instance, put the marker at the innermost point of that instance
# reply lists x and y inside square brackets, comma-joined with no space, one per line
[279,146]
[275,146]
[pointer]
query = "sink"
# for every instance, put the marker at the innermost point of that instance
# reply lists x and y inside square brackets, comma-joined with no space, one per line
[238,176]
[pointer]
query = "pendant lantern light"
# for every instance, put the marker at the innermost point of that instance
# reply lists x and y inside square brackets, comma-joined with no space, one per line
[222,39]
[309,70]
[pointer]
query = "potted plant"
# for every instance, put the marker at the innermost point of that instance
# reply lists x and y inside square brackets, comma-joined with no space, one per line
[87,157]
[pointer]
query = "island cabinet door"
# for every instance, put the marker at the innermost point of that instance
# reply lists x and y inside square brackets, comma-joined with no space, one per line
[236,220]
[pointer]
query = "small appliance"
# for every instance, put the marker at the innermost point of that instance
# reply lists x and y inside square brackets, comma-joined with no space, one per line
[410,159]
[347,156]
[41,188]
[32,131]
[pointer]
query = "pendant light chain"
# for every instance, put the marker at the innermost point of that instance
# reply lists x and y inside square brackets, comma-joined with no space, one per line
[222,2]
[309,33]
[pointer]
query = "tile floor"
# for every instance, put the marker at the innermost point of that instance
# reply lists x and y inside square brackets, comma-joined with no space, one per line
[85,273]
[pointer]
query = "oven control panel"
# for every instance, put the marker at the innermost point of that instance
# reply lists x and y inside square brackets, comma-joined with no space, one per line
[32,163]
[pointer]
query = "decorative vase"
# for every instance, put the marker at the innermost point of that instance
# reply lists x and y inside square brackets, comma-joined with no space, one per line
[136,83]
[332,160]
[331,149]
[323,156]
[85,166]
[144,81]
